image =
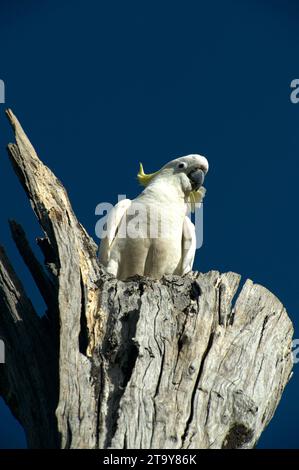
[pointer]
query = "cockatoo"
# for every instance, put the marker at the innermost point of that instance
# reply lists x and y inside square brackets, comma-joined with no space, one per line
[152,234]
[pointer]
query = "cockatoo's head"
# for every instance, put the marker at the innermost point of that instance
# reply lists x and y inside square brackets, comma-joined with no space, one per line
[187,172]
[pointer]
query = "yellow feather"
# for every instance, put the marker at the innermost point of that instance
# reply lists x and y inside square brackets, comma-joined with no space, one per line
[195,197]
[143,178]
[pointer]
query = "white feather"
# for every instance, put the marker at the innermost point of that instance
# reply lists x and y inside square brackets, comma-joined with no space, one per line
[113,223]
[188,246]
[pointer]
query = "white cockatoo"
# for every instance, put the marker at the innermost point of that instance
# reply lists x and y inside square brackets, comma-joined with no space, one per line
[152,235]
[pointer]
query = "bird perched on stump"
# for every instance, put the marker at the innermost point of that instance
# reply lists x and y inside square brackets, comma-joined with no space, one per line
[152,234]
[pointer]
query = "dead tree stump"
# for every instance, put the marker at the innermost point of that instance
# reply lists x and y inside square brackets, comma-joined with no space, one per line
[176,363]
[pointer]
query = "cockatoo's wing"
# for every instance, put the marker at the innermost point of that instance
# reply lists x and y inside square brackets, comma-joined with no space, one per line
[113,222]
[188,246]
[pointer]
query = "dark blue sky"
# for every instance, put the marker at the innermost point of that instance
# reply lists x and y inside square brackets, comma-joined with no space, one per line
[100,86]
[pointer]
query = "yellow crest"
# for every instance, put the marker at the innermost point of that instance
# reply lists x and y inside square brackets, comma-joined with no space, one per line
[143,178]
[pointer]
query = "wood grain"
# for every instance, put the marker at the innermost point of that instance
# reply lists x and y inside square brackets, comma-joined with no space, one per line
[176,363]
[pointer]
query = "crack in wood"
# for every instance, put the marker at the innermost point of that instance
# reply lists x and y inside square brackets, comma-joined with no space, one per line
[135,364]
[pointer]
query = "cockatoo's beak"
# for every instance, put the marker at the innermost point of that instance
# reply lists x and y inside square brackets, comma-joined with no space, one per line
[196,176]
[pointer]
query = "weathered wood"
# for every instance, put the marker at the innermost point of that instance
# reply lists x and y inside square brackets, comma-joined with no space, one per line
[44,284]
[28,379]
[175,363]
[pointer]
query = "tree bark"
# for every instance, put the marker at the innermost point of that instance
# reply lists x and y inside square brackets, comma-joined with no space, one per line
[176,363]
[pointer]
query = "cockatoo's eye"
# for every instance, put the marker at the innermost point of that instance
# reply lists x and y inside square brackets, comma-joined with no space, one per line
[182,166]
